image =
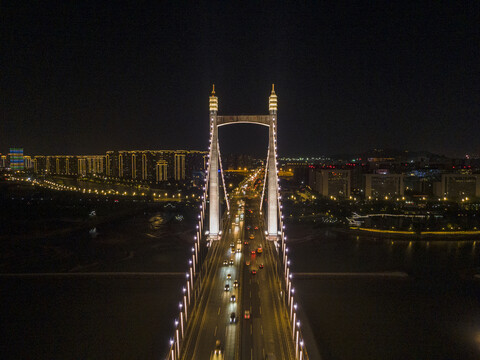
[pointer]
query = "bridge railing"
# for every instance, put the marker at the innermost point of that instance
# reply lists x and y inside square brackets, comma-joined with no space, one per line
[289,298]
[196,263]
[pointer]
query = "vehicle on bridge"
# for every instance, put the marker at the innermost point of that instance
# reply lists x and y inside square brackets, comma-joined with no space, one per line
[217,354]
[233,318]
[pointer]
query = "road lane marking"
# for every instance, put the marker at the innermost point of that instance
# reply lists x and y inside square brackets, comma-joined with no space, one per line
[251,353]
[261,328]
[251,329]
[260,309]
[215,332]
[218,313]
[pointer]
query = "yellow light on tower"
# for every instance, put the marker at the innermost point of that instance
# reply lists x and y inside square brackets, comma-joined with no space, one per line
[272,100]
[213,101]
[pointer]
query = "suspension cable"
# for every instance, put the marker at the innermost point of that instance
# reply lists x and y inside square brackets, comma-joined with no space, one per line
[264,180]
[223,180]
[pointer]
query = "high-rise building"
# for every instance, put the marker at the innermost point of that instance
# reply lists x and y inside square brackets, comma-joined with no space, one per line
[134,165]
[16,159]
[383,185]
[28,162]
[332,182]
[82,166]
[179,167]
[144,167]
[3,161]
[120,164]
[459,186]
[131,164]
[161,170]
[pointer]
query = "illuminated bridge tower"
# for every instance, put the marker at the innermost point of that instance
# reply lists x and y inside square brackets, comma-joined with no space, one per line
[214,163]
[214,197]
[272,168]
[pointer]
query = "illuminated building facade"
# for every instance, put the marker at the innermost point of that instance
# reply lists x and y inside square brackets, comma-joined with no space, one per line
[179,167]
[161,171]
[16,159]
[138,165]
[3,161]
[28,162]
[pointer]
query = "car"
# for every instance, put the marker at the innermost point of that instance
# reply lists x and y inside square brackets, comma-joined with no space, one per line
[231,262]
[253,252]
[251,236]
[233,298]
[239,241]
[229,276]
[260,266]
[233,318]
[218,348]
[225,262]
[259,250]
[254,272]
[256,227]
[235,284]
[246,314]
[249,227]
[245,243]
[247,262]
[232,245]
[227,287]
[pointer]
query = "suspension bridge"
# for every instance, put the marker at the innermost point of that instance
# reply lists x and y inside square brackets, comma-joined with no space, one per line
[238,300]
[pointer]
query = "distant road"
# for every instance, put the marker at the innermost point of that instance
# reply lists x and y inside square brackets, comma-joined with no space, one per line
[95,274]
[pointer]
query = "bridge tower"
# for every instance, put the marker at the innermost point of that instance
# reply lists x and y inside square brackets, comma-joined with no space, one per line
[272,214]
[214,196]
[271,167]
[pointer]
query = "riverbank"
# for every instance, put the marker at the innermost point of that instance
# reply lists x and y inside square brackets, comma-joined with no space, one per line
[411,235]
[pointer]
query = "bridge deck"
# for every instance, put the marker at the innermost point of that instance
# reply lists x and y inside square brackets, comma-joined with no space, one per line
[267,331]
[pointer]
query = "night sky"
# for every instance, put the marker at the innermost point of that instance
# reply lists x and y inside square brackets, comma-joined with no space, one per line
[83,77]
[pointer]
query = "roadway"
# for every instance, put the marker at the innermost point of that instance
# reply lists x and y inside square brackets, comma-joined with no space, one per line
[267,329]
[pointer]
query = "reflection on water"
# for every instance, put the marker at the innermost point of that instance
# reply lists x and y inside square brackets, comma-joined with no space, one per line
[434,313]
[330,251]
[156,221]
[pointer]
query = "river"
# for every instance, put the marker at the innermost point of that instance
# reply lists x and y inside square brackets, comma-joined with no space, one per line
[427,307]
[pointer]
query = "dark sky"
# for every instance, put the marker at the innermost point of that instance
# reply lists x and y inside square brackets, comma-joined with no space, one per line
[82,77]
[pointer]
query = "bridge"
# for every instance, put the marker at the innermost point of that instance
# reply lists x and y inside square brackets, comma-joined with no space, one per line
[238,300]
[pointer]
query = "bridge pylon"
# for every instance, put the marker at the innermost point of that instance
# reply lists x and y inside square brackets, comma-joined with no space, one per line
[271,184]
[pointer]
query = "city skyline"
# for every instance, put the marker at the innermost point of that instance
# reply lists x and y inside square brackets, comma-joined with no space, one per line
[349,77]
